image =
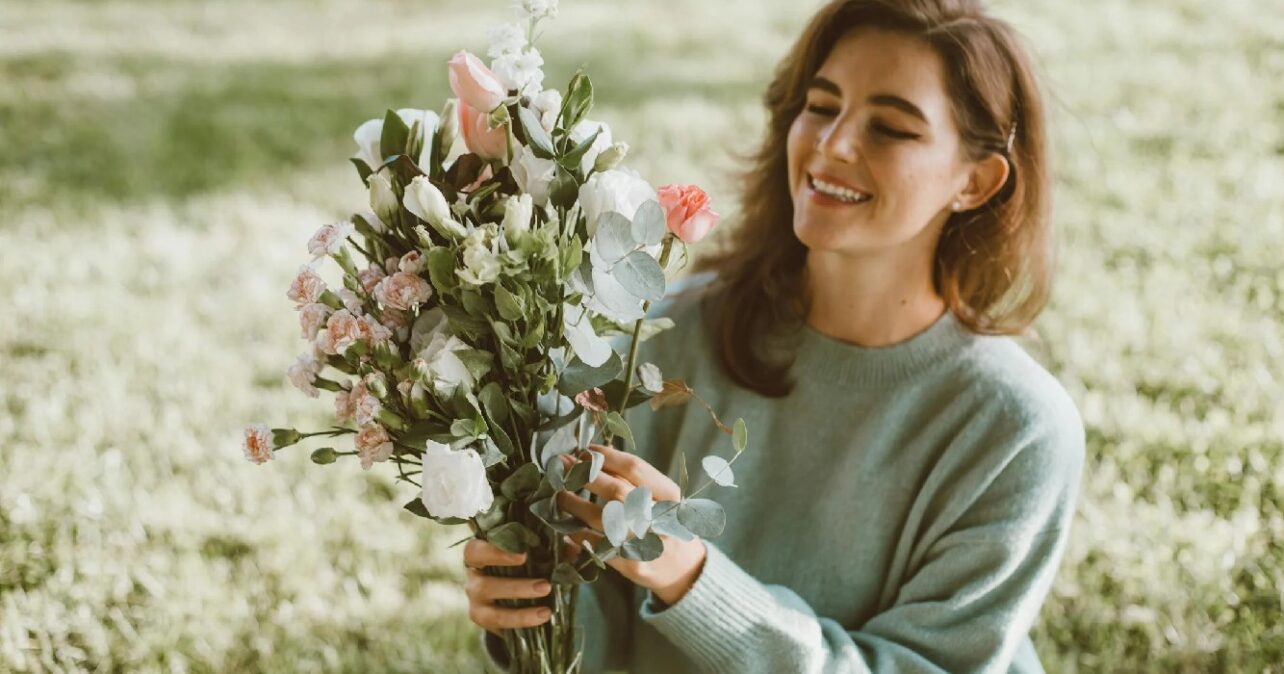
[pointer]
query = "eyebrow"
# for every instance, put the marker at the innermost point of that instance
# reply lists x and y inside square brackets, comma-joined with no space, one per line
[828,86]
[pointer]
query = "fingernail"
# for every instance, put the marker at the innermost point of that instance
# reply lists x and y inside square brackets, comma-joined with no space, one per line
[543,586]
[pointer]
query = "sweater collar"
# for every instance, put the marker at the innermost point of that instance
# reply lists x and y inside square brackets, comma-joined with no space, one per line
[820,357]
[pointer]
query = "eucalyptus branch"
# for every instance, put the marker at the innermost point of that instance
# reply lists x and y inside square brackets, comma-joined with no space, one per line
[637,332]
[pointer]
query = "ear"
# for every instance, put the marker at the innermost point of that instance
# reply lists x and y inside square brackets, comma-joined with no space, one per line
[985,178]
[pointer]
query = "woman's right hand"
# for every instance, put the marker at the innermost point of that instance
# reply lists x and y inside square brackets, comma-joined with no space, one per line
[484,590]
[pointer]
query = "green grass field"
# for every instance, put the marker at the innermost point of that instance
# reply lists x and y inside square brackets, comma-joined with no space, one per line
[164,162]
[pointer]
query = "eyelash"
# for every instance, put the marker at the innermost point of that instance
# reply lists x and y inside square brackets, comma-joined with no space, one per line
[881,128]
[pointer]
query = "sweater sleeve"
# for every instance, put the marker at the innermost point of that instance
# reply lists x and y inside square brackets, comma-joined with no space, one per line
[966,608]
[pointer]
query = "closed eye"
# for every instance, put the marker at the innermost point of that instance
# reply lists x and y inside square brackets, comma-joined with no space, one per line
[877,126]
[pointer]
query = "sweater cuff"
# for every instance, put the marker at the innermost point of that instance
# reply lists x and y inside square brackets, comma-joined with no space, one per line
[494,653]
[713,622]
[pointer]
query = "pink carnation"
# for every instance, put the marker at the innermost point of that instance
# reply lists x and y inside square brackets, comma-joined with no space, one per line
[312,318]
[329,239]
[342,331]
[343,407]
[307,286]
[258,443]
[370,277]
[373,445]
[412,262]
[365,407]
[403,291]
[303,374]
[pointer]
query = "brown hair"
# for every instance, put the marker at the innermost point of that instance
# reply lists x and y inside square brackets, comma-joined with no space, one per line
[993,264]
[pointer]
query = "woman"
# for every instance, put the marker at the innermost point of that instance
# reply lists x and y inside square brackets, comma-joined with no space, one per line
[912,473]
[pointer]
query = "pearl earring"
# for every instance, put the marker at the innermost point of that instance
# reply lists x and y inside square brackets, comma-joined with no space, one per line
[956,205]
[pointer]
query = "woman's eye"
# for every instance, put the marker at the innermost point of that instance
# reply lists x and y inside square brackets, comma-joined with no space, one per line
[821,110]
[889,131]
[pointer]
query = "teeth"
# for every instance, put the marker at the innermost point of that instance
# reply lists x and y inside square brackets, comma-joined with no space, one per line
[838,191]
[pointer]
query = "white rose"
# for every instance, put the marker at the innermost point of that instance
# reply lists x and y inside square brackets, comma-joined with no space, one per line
[582,132]
[619,190]
[533,175]
[481,263]
[445,369]
[547,104]
[454,483]
[517,217]
[426,202]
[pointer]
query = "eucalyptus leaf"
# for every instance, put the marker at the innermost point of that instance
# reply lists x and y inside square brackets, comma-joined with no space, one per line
[641,275]
[491,454]
[614,237]
[595,468]
[740,435]
[566,574]
[525,480]
[650,377]
[667,524]
[555,472]
[620,427]
[637,510]
[649,223]
[512,537]
[702,517]
[579,476]
[644,549]
[578,377]
[615,522]
[563,440]
[718,470]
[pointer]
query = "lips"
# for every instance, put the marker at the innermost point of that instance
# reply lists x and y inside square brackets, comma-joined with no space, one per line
[836,181]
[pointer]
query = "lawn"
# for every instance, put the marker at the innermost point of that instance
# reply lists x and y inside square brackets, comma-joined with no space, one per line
[163,163]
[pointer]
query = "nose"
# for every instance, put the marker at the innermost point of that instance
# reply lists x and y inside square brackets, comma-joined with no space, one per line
[838,142]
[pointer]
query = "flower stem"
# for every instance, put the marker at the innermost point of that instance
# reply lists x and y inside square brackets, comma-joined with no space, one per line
[637,332]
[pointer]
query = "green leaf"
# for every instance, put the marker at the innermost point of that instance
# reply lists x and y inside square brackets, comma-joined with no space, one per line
[416,506]
[394,137]
[614,237]
[641,275]
[596,467]
[702,517]
[441,269]
[494,516]
[463,428]
[491,454]
[363,169]
[564,189]
[571,160]
[620,427]
[510,306]
[565,574]
[578,100]
[667,524]
[478,363]
[683,478]
[579,476]
[494,402]
[564,524]
[649,223]
[512,537]
[525,480]
[562,441]
[578,377]
[740,435]
[615,524]
[718,470]
[637,510]
[475,304]
[536,136]
[555,472]
[644,549]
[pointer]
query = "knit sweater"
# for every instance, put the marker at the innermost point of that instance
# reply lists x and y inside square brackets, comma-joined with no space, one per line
[903,509]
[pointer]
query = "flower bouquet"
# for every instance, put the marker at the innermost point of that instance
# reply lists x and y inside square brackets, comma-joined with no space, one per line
[470,344]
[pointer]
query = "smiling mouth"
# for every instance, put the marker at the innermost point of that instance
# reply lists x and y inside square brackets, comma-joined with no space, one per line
[837,192]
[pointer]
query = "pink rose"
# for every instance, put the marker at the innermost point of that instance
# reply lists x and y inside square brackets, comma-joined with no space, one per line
[474,83]
[370,277]
[307,286]
[312,318]
[480,139]
[686,208]
[258,443]
[373,444]
[403,291]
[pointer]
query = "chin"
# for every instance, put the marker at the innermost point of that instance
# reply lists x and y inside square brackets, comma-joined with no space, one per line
[822,234]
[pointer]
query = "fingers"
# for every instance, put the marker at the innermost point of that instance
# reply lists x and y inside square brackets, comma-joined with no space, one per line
[637,471]
[588,512]
[479,553]
[486,589]
[495,618]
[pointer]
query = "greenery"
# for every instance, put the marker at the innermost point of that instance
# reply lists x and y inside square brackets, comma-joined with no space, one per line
[164,160]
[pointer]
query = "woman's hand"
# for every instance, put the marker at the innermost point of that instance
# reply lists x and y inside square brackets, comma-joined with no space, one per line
[483,590]
[670,575]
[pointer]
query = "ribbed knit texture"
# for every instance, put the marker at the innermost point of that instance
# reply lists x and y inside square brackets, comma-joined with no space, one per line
[904,509]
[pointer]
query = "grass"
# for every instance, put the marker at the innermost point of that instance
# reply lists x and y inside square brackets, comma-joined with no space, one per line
[164,162]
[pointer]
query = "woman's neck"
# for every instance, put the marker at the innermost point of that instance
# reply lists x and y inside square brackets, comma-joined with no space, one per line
[870,302]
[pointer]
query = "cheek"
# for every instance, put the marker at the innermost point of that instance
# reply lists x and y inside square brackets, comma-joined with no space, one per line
[795,149]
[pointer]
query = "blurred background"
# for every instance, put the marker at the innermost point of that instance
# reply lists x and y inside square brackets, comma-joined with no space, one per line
[163,162]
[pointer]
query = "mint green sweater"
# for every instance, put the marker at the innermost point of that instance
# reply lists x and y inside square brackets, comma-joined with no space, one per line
[904,509]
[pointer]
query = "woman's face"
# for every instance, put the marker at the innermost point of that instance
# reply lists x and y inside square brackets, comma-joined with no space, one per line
[877,125]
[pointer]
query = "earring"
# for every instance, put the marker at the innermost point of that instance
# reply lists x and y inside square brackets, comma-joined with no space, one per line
[957,205]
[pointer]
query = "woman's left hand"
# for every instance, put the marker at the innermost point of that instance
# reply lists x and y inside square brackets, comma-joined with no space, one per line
[670,575]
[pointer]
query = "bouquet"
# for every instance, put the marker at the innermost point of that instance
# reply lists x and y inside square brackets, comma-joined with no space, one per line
[504,254]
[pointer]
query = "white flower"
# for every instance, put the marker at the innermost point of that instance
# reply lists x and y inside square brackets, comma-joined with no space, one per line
[521,71]
[373,445]
[373,220]
[533,175]
[547,104]
[454,483]
[585,342]
[446,371]
[329,238]
[382,199]
[481,263]
[412,262]
[369,134]
[312,318]
[427,203]
[303,374]
[307,287]
[517,217]
[258,444]
[506,38]
[619,190]
[585,130]
[537,9]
